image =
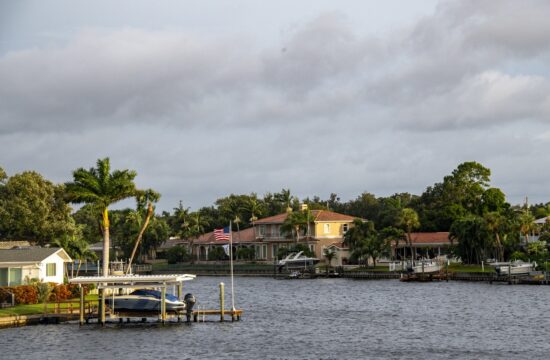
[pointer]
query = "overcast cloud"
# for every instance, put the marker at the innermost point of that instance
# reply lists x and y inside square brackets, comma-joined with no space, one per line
[327,105]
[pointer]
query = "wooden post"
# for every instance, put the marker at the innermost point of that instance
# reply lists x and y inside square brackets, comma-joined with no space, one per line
[81,304]
[179,287]
[221,301]
[163,304]
[102,306]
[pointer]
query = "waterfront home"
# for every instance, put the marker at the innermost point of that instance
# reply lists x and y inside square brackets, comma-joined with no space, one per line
[44,264]
[324,228]
[424,245]
[266,236]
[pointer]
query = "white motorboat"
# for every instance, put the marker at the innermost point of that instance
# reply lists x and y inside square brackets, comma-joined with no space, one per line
[517,267]
[297,260]
[424,267]
[146,300]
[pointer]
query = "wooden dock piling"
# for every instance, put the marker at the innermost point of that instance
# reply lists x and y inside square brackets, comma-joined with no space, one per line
[222,304]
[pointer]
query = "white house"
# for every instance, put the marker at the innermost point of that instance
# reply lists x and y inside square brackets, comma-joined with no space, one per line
[45,264]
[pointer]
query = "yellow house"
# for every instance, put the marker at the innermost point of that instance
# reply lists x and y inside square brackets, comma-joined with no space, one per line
[325,228]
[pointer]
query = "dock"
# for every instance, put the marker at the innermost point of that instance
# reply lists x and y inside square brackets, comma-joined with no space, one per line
[116,282]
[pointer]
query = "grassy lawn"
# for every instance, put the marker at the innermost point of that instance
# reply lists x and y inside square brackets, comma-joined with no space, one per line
[39,308]
[470,268]
[378,268]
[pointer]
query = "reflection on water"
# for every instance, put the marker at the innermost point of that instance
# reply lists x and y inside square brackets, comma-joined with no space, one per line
[320,319]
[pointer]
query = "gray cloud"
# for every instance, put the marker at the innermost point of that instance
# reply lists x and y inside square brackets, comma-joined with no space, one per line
[328,109]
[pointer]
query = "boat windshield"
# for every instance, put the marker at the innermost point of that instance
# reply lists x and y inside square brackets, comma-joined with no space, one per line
[154,293]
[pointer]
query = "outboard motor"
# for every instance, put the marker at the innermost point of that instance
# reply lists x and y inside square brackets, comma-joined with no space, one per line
[190,301]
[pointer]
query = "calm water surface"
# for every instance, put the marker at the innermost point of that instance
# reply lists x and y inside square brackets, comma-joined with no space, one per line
[320,319]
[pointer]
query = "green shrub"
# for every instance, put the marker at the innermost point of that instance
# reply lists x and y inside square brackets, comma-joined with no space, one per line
[217,253]
[177,254]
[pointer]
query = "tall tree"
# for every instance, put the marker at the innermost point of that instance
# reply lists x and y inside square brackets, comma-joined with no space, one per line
[526,222]
[33,208]
[285,199]
[329,254]
[296,222]
[100,187]
[472,237]
[495,222]
[76,247]
[145,208]
[409,221]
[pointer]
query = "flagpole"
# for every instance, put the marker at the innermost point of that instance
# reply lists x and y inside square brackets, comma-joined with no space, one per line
[231,265]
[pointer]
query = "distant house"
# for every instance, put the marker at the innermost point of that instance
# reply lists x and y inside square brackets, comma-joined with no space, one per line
[45,264]
[424,244]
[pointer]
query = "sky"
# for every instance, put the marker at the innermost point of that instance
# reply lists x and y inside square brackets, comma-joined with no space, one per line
[207,98]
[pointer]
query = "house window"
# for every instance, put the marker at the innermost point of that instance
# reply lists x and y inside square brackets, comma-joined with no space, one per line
[50,269]
[260,251]
[345,228]
[261,230]
[15,276]
[4,277]
[327,228]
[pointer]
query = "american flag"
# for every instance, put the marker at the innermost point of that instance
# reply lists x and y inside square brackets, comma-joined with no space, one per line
[222,234]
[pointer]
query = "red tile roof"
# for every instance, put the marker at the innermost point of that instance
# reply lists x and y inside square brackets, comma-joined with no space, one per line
[430,238]
[318,215]
[326,215]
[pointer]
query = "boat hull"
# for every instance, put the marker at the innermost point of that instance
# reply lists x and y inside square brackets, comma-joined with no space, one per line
[514,270]
[146,300]
[427,268]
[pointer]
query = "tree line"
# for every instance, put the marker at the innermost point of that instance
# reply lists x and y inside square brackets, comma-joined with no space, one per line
[477,215]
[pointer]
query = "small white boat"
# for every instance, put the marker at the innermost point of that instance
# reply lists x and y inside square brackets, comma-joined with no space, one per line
[297,260]
[146,300]
[424,267]
[517,267]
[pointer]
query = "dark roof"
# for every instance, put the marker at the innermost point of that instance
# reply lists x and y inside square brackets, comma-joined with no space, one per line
[33,254]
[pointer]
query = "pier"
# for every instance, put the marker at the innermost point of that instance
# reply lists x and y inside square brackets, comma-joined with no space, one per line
[108,285]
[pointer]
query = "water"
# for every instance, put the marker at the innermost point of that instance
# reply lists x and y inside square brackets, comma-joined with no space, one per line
[320,319]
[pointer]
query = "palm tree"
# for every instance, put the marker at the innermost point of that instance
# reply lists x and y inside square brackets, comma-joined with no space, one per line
[197,224]
[329,254]
[296,221]
[254,207]
[526,223]
[285,199]
[143,197]
[76,248]
[100,187]
[409,220]
[494,222]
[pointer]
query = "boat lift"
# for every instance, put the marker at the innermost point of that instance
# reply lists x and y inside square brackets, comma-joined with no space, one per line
[130,282]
